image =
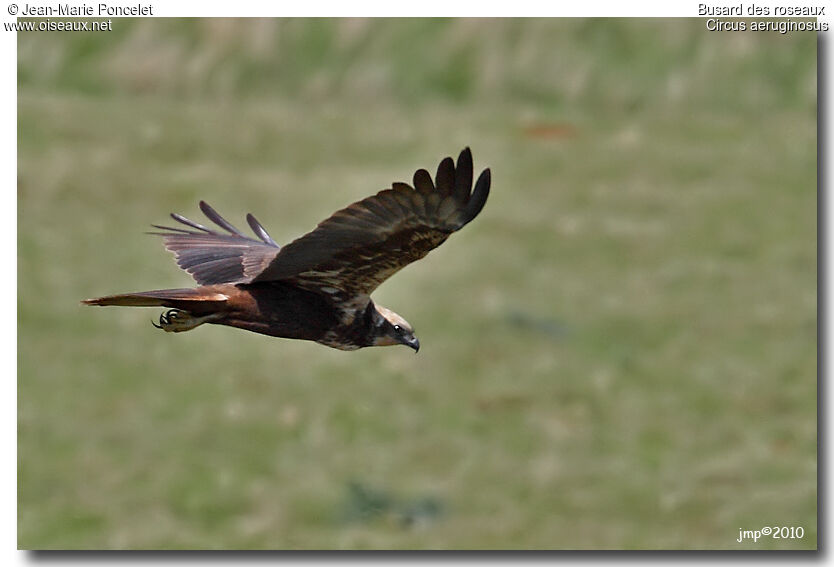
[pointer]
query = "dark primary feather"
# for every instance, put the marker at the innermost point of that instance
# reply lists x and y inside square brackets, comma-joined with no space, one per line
[362,245]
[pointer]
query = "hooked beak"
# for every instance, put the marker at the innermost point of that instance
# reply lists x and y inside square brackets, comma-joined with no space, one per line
[412,342]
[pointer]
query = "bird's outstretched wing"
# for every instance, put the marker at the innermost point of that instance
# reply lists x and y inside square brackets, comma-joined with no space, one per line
[348,254]
[362,245]
[213,257]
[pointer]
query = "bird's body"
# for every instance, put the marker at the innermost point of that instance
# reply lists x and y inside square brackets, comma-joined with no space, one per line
[317,287]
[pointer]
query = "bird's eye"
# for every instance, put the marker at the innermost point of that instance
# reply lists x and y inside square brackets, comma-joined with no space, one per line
[398,329]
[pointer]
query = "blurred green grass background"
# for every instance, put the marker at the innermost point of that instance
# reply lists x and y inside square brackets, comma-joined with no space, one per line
[619,353]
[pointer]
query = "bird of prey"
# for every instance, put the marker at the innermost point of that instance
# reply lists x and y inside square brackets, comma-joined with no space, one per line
[318,286]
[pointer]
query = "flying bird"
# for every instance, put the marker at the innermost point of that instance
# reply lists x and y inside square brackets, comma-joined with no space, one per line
[318,286]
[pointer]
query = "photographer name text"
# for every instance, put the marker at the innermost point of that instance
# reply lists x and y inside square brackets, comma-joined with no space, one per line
[86,10]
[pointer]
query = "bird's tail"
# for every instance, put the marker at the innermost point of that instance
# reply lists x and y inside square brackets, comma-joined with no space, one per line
[188,299]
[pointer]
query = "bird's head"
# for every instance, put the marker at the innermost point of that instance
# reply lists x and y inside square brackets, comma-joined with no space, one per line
[391,329]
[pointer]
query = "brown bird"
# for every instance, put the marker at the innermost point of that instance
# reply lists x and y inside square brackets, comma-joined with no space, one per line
[317,287]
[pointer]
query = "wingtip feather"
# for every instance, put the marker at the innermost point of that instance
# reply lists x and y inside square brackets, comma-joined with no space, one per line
[259,230]
[479,196]
[445,177]
[463,175]
[215,217]
[422,182]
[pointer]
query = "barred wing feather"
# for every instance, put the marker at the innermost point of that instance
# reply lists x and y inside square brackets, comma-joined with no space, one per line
[213,257]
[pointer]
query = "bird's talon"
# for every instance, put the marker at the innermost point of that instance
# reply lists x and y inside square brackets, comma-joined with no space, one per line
[165,319]
[177,321]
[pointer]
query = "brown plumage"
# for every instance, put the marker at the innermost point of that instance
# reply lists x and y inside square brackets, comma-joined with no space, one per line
[318,286]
